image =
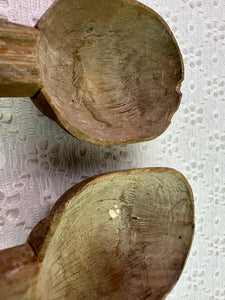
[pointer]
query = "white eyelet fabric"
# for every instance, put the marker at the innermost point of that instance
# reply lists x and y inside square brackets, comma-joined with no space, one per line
[39,161]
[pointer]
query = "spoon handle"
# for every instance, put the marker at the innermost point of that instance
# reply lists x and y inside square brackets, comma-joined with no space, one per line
[19,268]
[19,75]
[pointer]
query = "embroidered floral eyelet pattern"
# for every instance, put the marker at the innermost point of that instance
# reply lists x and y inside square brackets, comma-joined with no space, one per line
[39,160]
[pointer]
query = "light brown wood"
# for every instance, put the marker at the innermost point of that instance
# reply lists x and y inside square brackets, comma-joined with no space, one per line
[19,268]
[111,70]
[19,75]
[118,236]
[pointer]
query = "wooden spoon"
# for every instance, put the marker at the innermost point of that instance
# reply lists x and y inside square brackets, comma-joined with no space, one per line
[108,71]
[117,236]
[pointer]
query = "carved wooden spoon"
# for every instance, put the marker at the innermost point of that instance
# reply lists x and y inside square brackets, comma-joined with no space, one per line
[117,236]
[110,70]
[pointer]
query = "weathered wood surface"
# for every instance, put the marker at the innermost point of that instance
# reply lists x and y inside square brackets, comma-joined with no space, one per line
[122,236]
[111,70]
[19,268]
[19,75]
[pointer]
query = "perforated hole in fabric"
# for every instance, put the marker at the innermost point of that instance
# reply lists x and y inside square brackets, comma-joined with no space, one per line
[39,160]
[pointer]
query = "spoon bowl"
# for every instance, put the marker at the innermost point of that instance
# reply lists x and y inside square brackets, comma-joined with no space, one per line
[119,236]
[108,71]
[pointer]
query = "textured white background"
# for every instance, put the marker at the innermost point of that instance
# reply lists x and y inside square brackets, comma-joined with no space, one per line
[39,160]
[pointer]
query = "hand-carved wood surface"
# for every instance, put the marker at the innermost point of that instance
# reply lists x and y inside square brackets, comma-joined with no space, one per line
[110,70]
[18,269]
[19,75]
[122,235]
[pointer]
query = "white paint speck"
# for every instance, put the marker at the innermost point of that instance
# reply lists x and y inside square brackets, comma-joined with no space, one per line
[114,213]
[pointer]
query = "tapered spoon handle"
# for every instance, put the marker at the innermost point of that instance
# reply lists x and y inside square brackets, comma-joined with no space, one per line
[19,75]
[19,267]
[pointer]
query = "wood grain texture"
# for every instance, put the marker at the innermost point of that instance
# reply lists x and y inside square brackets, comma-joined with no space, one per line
[19,75]
[119,236]
[111,70]
[124,235]
[18,270]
